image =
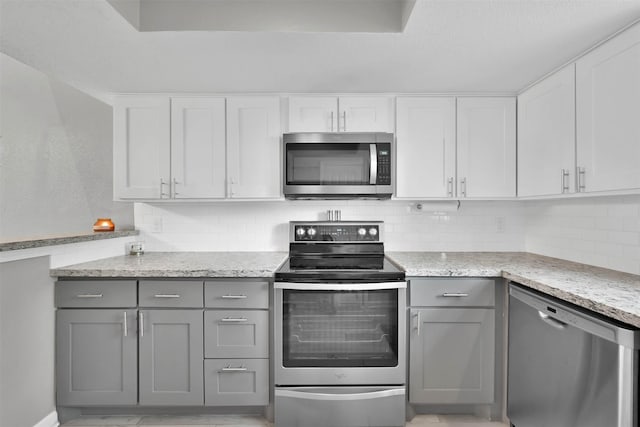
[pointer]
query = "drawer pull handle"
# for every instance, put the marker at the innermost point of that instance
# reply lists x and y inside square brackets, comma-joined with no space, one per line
[231,369]
[89,296]
[454,295]
[234,319]
[234,296]
[167,296]
[124,325]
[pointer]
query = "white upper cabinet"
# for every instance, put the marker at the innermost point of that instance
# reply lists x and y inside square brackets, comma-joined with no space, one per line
[253,147]
[343,114]
[141,147]
[431,163]
[486,145]
[425,147]
[607,106]
[198,148]
[546,136]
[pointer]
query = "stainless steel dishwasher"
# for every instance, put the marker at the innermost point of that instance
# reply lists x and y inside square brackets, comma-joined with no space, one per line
[569,367]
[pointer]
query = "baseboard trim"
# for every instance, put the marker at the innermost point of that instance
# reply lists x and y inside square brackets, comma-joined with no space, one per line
[50,420]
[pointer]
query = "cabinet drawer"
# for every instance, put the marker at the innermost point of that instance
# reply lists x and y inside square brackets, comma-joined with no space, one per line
[452,292]
[236,294]
[96,293]
[170,293]
[236,382]
[236,333]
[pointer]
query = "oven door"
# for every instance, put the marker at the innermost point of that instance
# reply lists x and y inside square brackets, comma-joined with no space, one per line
[340,333]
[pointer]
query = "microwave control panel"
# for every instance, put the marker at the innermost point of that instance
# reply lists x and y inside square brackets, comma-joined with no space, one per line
[384,165]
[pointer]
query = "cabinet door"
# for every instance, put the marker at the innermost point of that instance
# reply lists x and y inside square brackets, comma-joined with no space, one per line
[365,114]
[253,144]
[171,356]
[313,114]
[236,382]
[486,144]
[96,357]
[607,105]
[198,154]
[546,136]
[236,333]
[451,355]
[141,150]
[425,148]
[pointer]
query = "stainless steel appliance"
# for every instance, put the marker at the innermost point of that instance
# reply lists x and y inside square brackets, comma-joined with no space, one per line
[338,165]
[569,367]
[339,329]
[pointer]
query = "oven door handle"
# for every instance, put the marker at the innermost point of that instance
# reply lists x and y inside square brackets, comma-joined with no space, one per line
[340,396]
[339,286]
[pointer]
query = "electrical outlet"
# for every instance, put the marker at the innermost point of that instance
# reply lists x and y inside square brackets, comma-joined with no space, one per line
[501,224]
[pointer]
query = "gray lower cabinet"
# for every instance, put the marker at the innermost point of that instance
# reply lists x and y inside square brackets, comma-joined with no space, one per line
[171,349]
[451,341]
[96,357]
[233,382]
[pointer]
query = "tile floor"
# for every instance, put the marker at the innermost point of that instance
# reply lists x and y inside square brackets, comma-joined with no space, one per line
[254,421]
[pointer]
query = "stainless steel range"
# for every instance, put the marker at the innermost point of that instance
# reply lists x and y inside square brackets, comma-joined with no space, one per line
[339,329]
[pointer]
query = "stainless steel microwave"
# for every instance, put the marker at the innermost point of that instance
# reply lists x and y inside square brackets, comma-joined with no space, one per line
[341,165]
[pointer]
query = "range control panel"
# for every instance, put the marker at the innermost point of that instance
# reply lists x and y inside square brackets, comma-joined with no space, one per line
[335,231]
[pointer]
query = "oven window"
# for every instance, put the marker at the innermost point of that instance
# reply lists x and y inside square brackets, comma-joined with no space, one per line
[340,328]
[328,164]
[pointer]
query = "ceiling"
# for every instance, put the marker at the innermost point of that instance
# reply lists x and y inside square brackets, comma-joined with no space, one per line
[468,46]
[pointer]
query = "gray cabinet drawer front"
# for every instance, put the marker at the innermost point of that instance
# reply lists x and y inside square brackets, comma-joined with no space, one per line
[96,293]
[236,382]
[170,293]
[452,292]
[236,294]
[236,333]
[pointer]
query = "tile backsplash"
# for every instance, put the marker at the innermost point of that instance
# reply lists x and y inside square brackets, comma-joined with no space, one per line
[602,231]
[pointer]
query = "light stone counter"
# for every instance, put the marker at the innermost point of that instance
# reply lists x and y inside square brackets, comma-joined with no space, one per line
[38,242]
[608,292]
[179,264]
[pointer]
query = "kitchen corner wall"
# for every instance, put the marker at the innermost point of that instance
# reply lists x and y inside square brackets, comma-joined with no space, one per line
[263,226]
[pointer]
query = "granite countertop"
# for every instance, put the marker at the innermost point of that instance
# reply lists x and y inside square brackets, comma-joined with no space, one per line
[179,264]
[608,292]
[63,240]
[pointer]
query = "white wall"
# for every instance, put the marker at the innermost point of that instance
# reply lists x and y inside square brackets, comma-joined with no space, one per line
[263,226]
[602,231]
[55,157]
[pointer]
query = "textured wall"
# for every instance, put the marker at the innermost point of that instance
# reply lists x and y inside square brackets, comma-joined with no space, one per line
[55,157]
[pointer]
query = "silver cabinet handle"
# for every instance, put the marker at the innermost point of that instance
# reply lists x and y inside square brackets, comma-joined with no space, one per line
[125,324]
[231,369]
[175,183]
[565,180]
[167,295]
[373,162]
[162,193]
[344,121]
[450,187]
[416,324]
[581,172]
[463,187]
[331,129]
[233,297]
[89,296]
[141,319]
[234,319]
[455,295]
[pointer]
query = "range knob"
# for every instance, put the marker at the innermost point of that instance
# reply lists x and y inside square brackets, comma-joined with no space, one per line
[300,232]
[373,231]
[362,232]
[311,231]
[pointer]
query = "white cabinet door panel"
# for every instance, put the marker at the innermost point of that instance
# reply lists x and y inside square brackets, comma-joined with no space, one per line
[425,149]
[546,136]
[486,144]
[141,150]
[198,137]
[253,144]
[607,105]
[366,114]
[313,114]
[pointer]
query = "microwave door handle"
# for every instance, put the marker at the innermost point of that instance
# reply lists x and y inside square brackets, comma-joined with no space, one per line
[373,170]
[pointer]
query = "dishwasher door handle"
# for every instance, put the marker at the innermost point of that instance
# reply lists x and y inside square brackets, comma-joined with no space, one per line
[551,321]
